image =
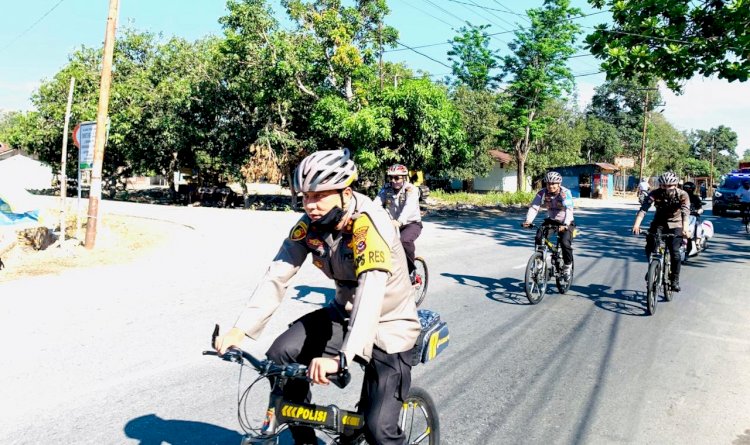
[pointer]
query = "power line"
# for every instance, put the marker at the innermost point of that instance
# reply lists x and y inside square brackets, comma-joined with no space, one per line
[425,55]
[423,11]
[31,27]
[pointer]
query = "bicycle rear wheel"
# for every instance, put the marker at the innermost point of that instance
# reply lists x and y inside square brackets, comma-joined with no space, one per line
[419,418]
[535,282]
[563,285]
[420,280]
[652,286]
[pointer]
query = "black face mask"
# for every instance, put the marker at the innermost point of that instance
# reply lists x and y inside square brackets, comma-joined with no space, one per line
[328,222]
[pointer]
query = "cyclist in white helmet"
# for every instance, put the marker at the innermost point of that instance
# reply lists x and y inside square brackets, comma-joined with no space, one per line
[559,203]
[400,198]
[672,214]
[373,318]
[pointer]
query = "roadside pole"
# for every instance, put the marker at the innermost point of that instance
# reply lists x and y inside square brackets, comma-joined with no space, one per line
[64,165]
[95,192]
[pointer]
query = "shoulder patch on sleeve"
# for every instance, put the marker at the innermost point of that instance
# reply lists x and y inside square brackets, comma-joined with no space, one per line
[371,252]
[299,231]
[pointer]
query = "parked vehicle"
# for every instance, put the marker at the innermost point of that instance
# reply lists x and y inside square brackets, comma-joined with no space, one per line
[724,199]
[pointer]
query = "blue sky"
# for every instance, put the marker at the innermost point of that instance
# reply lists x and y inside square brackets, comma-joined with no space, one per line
[36,37]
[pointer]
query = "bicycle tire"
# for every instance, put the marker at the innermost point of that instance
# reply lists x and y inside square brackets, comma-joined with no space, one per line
[652,287]
[535,278]
[666,286]
[563,286]
[420,291]
[427,431]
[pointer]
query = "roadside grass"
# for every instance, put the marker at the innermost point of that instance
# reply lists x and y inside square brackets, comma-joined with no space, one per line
[483,199]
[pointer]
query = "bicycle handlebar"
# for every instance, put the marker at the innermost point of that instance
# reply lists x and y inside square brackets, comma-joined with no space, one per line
[267,368]
[547,222]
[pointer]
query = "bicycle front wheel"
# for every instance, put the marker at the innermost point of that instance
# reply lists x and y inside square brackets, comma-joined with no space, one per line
[652,286]
[419,419]
[535,282]
[420,280]
[666,283]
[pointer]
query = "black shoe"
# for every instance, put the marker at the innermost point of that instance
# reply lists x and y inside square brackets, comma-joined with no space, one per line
[675,285]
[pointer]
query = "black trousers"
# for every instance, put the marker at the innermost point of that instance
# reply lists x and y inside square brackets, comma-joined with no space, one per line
[673,247]
[566,242]
[409,233]
[386,382]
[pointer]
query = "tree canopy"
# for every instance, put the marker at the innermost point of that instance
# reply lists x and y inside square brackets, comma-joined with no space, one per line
[673,39]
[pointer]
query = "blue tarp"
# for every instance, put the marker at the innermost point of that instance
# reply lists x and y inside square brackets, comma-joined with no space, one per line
[18,208]
[16,219]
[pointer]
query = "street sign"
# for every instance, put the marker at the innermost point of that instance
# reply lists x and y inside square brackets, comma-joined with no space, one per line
[624,162]
[83,138]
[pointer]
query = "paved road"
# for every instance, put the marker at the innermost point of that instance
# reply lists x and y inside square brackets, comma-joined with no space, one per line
[112,355]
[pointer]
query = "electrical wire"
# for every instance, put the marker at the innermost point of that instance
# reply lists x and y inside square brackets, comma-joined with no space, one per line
[8,45]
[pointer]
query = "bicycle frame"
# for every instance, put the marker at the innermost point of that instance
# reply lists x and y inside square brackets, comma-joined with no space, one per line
[550,249]
[325,417]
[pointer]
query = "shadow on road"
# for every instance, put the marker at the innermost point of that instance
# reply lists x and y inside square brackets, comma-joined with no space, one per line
[510,291]
[153,430]
[504,290]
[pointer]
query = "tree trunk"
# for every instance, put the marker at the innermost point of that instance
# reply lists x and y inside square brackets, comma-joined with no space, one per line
[289,178]
[245,194]
[521,171]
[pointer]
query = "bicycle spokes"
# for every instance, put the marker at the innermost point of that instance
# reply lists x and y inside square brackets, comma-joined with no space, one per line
[415,422]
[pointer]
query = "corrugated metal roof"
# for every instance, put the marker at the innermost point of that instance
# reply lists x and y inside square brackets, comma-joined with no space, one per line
[501,156]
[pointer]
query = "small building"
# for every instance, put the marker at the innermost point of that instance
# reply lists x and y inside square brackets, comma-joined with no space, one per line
[502,177]
[18,167]
[594,180]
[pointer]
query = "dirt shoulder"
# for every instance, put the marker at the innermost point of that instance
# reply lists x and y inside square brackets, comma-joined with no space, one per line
[121,239]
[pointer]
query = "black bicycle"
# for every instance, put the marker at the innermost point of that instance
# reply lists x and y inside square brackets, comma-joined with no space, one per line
[745,213]
[420,280]
[418,418]
[659,265]
[545,263]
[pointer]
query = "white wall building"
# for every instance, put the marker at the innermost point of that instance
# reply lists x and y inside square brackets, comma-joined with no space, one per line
[25,171]
[502,177]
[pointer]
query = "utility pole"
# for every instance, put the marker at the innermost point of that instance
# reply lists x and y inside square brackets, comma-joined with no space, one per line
[643,139]
[95,192]
[711,171]
[64,164]
[380,43]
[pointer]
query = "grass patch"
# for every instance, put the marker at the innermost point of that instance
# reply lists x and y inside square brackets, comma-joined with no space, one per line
[483,199]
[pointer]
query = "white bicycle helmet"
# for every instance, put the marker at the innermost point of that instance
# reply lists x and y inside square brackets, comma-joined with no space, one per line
[325,170]
[553,178]
[668,178]
[398,170]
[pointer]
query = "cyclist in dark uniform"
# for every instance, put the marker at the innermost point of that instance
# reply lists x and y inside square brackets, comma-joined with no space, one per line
[696,205]
[672,214]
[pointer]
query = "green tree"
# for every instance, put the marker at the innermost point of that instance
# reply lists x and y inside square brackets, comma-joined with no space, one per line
[480,114]
[666,147]
[539,74]
[746,155]
[673,39]
[562,143]
[719,143]
[601,142]
[472,58]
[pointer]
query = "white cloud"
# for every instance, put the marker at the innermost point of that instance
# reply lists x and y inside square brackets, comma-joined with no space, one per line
[708,103]
[16,95]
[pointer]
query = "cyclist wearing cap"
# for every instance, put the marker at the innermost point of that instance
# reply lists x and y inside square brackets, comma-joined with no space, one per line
[672,214]
[401,200]
[559,203]
[373,317]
